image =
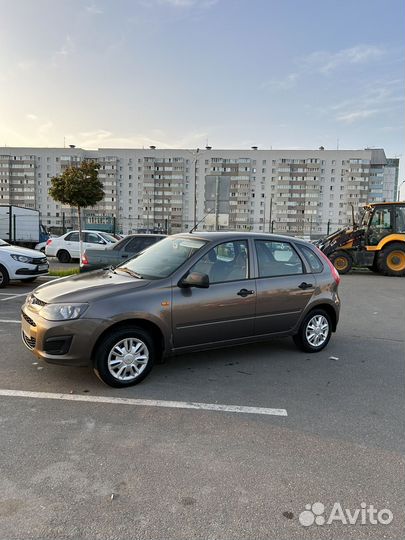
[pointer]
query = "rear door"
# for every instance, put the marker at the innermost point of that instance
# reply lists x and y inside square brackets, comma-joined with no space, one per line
[283,286]
[224,311]
[71,244]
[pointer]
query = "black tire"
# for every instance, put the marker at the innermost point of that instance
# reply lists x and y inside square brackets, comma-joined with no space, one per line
[29,280]
[112,341]
[391,260]
[301,338]
[4,277]
[64,256]
[42,249]
[342,261]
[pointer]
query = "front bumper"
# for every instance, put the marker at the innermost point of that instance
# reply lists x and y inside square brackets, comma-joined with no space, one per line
[67,343]
[31,272]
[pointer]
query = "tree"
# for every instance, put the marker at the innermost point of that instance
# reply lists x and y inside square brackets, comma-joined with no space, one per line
[78,187]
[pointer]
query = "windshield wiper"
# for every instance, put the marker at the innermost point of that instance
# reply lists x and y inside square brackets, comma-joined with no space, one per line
[128,271]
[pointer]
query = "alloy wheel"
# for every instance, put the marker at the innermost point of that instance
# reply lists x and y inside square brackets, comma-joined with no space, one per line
[317,330]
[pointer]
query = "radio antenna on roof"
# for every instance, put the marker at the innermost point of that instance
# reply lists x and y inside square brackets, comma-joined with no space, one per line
[201,220]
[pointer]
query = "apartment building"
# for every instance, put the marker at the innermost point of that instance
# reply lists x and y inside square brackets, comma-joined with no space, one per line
[305,192]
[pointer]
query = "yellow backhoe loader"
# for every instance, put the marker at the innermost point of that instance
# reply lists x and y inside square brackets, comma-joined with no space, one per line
[376,242]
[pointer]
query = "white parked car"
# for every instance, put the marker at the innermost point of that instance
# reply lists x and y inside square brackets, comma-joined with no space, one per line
[20,263]
[67,246]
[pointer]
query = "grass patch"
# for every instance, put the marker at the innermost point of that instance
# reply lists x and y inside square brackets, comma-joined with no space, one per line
[63,273]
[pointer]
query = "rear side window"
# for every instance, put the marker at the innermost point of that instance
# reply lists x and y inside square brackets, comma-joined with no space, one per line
[139,244]
[72,237]
[277,259]
[312,259]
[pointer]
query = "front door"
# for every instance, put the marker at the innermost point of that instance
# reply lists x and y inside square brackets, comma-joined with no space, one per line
[283,290]
[225,310]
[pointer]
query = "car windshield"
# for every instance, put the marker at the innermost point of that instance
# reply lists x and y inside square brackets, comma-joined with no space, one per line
[163,258]
[108,238]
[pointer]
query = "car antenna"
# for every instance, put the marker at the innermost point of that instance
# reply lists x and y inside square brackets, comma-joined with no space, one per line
[196,225]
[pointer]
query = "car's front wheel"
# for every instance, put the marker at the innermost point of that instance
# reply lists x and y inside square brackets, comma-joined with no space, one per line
[315,331]
[124,357]
[4,277]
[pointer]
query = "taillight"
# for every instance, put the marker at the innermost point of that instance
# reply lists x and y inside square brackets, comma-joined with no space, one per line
[334,272]
[84,259]
[48,242]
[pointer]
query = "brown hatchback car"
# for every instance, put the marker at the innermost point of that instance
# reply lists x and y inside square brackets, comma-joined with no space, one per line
[188,292]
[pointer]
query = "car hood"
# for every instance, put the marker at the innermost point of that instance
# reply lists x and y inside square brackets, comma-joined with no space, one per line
[17,250]
[88,287]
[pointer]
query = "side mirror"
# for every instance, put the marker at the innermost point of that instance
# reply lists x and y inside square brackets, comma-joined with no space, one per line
[195,279]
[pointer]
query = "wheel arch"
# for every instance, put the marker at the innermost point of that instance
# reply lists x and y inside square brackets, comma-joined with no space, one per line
[149,326]
[386,241]
[330,310]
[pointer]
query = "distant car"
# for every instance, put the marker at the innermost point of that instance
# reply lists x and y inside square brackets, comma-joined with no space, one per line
[67,246]
[187,292]
[20,263]
[117,253]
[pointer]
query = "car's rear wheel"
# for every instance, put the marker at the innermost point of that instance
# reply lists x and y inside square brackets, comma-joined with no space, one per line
[4,277]
[342,261]
[315,331]
[124,357]
[391,260]
[64,256]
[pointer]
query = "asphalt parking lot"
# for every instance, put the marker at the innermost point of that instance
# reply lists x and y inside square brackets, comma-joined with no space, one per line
[113,470]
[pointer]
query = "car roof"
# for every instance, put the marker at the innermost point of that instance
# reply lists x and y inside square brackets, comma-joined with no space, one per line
[237,235]
[144,235]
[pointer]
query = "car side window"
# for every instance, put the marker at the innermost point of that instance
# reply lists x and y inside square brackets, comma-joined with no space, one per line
[134,245]
[226,262]
[72,237]
[312,259]
[277,259]
[92,238]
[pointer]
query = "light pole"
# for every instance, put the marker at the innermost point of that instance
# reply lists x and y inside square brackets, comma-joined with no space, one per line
[399,190]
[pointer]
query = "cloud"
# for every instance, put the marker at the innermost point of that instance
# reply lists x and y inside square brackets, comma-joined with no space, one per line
[325,62]
[353,116]
[31,116]
[65,50]
[384,97]
[94,10]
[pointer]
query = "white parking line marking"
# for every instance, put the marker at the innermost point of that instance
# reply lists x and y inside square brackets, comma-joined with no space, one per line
[14,296]
[9,321]
[146,402]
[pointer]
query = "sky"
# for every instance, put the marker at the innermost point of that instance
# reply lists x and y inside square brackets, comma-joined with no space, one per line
[181,73]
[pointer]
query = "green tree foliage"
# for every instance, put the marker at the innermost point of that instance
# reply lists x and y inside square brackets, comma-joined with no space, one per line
[78,187]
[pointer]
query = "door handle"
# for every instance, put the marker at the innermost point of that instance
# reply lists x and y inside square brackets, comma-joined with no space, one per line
[124,256]
[245,292]
[305,285]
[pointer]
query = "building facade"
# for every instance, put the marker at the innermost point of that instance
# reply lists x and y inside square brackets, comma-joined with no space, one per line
[304,192]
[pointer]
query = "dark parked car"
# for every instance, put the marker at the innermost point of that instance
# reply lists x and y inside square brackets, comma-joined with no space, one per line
[119,252]
[187,292]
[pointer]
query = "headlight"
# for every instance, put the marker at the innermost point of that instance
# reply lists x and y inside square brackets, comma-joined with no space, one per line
[21,258]
[62,312]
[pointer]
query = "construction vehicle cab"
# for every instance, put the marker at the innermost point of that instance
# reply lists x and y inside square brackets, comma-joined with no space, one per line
[376,242]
